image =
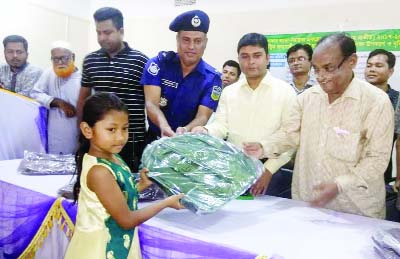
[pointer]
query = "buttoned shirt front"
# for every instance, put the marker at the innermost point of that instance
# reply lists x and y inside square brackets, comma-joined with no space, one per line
[247,115]
[181,96]
[347,142]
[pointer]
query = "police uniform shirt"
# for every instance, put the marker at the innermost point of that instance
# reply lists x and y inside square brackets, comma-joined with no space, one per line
[181,97]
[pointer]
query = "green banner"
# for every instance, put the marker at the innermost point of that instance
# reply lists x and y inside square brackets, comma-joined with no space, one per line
[365,40]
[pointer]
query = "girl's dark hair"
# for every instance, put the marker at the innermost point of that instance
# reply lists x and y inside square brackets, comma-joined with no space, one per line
[94,110]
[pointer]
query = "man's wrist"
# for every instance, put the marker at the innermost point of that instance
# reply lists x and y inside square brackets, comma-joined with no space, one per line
[55,102]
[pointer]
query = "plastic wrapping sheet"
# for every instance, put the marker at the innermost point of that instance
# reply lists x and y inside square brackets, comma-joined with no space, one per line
[210,171]
[35,163]
[387,243]
[153,193]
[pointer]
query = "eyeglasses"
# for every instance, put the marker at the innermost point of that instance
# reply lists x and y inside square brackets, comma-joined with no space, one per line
[292,60]
[63,59]
[331,69]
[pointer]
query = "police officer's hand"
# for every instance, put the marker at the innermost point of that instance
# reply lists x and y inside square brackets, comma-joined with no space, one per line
[181,130]
[199,130]
[167,132]
[327,192]
[261,185]
[254,149]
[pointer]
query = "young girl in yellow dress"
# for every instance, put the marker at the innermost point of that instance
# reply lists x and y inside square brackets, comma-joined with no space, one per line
[107,218]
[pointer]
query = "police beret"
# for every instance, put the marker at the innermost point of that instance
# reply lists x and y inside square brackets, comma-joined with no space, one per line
[194,20]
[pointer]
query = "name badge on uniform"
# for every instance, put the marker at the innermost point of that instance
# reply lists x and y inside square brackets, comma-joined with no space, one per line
[169,83]
[216,92]
[153,69]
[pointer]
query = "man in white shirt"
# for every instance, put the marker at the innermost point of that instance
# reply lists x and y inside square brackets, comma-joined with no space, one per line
[252,109]
[58,90]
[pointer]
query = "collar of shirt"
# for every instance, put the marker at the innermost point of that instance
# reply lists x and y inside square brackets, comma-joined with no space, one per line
[199,68]
[391,91]
[307,85]
[352,91]
[20,69]
[125,50]
[266,82]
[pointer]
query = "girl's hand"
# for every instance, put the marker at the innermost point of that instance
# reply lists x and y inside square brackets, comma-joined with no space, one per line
[144,181]
[174,201]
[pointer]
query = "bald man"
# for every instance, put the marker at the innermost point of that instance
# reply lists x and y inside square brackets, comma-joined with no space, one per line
[58,90]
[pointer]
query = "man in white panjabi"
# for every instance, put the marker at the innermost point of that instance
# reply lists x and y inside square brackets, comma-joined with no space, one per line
[58,90]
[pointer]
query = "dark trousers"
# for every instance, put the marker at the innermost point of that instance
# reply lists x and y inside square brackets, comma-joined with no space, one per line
[280,184]
[392,213]
[132,154]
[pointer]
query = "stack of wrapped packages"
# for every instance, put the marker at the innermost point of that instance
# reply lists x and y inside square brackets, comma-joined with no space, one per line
[209,171]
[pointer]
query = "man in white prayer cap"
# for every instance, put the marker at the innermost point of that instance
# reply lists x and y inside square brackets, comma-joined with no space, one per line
[58,90]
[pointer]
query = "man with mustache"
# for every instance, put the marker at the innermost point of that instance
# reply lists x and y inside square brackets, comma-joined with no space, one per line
[58,90]
[181,89]
[342,128]
[17,75]
[230,73]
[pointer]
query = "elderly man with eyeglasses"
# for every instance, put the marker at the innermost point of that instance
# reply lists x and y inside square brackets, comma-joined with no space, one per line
[58,90]
[299,61]
[343,131]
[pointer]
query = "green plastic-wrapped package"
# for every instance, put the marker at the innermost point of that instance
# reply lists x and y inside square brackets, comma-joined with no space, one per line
[209,171]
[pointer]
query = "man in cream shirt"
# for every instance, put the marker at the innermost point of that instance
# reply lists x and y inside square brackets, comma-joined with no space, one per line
[252,109]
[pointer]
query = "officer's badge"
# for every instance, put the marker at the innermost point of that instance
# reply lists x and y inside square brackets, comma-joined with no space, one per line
[153,69]
[196,21]
[216,92]
[163,102]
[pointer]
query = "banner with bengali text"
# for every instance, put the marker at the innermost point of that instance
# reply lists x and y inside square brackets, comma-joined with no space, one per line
[366,41]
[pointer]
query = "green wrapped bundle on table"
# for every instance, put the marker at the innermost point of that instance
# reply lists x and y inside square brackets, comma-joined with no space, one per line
[210,171]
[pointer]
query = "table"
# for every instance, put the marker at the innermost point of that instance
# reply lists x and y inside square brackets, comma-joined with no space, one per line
[31,214]
[270,226]
[23,125]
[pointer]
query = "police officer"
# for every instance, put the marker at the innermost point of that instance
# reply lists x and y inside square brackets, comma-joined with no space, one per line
[181,89]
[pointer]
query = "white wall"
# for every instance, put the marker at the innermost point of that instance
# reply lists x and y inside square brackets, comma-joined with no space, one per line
[151,34]
[42,25]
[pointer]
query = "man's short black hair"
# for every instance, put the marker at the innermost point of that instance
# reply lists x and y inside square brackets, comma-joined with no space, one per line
[233,63]
[106,13]
[306,47]
[15,38]
[253,39]
[391,58]
[346,43]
